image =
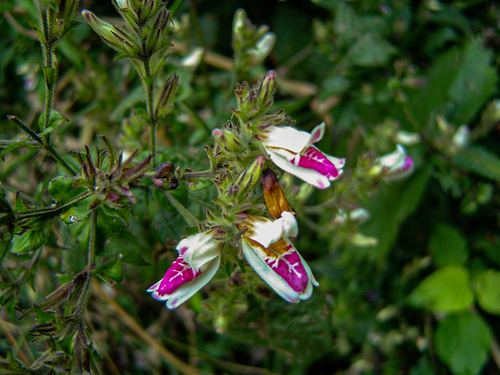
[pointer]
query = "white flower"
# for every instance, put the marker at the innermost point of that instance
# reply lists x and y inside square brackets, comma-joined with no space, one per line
[197,263]
[394,166]
[461,136]
[270,253]
[292,150]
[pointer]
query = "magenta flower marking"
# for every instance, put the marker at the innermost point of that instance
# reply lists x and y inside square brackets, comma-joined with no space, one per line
[292,150]
[178,274]
[289,267]
[197,263]
[313,158]
[270,253]
[408,164]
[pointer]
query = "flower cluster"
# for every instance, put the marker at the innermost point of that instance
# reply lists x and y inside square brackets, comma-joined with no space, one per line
[266,247]
[243,163]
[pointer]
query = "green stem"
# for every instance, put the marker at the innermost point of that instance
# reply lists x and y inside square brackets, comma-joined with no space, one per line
[149,86]
[92,239]
[42,143]
[48,61]
[16,216]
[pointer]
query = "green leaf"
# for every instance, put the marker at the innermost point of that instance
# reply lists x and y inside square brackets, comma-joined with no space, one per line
[475,82]
[114,238]
[462,342]
[371,50]
[460,81]
[31,240]
[13,146]
[122,213]
[4,204]
[110,271]
[143,113]
[61,189]
[6,234]
[199,185]
[55,120]
[44,316]
[393,203]
[487,287]
[479,160]
[446,290]
[447,246]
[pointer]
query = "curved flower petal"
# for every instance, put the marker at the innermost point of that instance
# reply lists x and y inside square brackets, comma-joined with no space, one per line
[197,263]
[395,165]
[181,282]
[198,249]
[270,253]
[281,266]
[266,231]
[292,150]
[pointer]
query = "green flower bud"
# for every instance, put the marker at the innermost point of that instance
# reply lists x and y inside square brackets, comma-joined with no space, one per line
[255,101]
[115,37]
[248,178]
[228,140]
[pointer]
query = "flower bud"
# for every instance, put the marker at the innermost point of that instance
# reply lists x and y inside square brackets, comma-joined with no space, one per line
[193,59]
[406,138]
[461,136]
[255,101]
[249,177]
[262,48]
[274,195]
[227,139]
[393,166]
[112,35]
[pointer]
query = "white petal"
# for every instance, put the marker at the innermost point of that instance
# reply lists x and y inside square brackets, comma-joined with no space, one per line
[186,291]
[308,175]
[337,162]
[266,231]
[287,138]
[268,275]
[199,249]
[290,227]
[393,160]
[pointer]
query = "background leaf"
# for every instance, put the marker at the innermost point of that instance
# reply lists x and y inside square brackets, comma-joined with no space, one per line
[462,342]
[446,290]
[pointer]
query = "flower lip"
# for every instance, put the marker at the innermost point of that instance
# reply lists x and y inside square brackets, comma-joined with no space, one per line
[292,150]
[274,258]
[197,263]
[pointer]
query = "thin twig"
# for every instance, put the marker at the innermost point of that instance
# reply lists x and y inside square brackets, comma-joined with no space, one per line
[12,342]
[131,324]
[495,351]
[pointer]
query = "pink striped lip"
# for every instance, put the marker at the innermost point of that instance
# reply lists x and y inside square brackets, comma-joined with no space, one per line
[178,274]
[314,159]
[290,268]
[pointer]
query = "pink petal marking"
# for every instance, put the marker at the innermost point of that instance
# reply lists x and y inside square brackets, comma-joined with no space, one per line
[314,159]
[284,259]
[178,274]
[408,163]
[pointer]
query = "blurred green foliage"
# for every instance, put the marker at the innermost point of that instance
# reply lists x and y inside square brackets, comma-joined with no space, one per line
[415,289]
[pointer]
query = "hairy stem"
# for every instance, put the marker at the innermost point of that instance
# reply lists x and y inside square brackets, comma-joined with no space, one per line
[42,212]
[43,143]
[92,239]
[149,86]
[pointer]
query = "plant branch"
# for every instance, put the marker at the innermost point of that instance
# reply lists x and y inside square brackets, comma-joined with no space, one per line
[42,143]
[53,211]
